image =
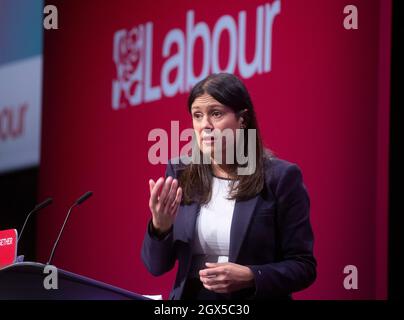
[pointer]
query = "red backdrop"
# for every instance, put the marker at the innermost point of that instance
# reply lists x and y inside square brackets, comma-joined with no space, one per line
[323,104]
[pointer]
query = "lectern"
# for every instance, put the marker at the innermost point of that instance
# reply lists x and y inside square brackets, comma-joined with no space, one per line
[25,280]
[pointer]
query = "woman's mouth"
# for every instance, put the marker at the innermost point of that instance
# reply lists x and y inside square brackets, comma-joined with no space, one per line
[208,140]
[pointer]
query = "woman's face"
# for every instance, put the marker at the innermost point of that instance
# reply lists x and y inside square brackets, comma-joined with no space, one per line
[207,115]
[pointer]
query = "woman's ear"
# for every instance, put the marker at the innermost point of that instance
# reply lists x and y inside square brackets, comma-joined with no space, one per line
[243,114]
[242,123]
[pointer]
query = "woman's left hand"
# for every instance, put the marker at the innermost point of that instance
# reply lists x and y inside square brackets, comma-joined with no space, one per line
[226,277]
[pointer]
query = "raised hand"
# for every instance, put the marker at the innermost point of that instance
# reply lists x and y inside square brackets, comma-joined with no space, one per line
[165,198]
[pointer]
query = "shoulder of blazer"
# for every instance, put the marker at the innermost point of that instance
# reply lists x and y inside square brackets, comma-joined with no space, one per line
[275,168]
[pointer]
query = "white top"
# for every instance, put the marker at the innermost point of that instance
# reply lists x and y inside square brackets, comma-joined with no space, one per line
[212,228]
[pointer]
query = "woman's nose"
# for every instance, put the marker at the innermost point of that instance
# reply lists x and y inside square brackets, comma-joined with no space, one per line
[206,123]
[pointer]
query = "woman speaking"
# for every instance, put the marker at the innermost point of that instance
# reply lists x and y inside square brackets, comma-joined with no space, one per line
[236,235]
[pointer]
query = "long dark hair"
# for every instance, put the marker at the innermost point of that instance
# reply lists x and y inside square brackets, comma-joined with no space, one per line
[196,179]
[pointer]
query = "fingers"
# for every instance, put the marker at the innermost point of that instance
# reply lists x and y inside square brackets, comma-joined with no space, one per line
[155,190]
[151,185]
[175,204]
[166,194]
[166,189]
[211,271]
[212,264]
[172,193]
[213,275]
[222,287]
[213,280]
[178,197]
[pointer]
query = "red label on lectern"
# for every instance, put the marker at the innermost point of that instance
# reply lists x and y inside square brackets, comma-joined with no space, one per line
[8,247]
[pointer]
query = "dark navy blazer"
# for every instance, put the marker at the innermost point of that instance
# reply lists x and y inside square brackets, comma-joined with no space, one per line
[270,233]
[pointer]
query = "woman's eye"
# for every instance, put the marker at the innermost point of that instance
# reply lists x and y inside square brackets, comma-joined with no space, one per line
[216,114]
[196,115]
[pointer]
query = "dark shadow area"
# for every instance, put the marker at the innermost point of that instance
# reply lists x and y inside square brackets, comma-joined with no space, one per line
[396,221]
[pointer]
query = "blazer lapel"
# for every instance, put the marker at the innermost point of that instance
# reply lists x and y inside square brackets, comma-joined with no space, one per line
[242,214]
[186,220]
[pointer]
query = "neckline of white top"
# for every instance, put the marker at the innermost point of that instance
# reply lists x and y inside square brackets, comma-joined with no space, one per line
[222,178]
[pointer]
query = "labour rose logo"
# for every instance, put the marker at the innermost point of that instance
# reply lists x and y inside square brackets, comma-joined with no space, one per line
[136,83]
[128,60]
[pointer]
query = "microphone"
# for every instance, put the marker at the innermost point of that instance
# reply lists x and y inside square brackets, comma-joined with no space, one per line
[79,201]
[38,207]
[84,197]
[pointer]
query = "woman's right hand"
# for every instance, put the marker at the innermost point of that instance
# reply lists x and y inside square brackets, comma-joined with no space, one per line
[165,198]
